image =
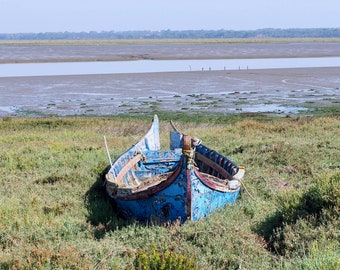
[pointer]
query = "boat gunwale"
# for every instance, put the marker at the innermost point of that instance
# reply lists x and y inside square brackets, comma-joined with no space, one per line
[137,193]
[210,183]
[214,185]
[132,151]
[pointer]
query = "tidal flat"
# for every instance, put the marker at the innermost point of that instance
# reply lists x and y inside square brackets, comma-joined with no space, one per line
[274,91]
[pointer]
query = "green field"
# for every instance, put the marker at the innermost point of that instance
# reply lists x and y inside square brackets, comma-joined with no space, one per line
[54,213]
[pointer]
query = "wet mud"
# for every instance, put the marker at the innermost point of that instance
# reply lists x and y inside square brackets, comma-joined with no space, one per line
[279,91]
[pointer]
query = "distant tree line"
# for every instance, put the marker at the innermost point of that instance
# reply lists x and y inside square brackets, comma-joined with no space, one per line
[179,34]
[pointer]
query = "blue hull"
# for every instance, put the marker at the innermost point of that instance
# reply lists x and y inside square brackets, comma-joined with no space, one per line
[189,181]
[175,202]
[205,200]
[167,204]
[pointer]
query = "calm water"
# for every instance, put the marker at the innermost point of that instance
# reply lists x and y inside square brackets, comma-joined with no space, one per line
[146,66]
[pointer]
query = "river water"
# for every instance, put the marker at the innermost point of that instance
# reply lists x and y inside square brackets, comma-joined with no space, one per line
[151,66]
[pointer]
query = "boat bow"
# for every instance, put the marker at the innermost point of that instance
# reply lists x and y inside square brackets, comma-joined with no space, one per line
[189,181]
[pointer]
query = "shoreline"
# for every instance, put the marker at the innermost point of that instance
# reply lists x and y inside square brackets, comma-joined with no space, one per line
[276,91]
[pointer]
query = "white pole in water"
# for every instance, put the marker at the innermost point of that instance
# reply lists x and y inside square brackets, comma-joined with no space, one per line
[107,151]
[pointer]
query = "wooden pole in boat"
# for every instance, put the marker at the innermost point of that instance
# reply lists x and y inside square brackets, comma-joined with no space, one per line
[107,151]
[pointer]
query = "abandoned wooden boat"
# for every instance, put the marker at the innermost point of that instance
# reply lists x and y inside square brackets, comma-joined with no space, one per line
[189,181]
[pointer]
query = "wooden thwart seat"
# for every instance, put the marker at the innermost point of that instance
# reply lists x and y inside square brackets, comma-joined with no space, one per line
[132,162]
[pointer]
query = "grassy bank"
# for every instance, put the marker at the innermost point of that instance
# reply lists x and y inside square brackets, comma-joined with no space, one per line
[54,214]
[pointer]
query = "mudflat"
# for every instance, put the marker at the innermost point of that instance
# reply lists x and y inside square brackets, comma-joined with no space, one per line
[27,53]
[279,91]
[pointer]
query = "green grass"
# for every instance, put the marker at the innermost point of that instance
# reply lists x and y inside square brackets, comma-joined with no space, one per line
[54,213]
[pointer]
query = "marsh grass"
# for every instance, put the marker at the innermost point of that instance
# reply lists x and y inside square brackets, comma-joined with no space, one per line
[54,213]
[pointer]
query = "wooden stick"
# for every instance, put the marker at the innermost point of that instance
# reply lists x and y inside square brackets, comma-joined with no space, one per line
[107,151]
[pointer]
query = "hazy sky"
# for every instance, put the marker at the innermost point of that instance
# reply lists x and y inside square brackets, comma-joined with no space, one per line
[117,15]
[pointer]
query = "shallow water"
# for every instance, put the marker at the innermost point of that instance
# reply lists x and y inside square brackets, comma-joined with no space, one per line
[149,66]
